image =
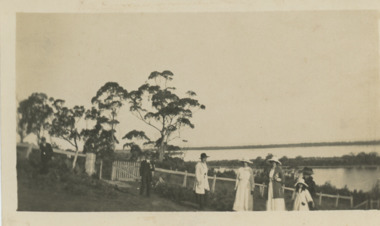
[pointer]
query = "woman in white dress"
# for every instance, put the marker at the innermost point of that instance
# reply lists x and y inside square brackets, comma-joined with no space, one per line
[302,197]
[244,187]
[275,183]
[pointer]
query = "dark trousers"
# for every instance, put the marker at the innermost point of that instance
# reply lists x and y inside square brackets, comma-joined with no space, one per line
[44,165]
[146,183]
[201,199]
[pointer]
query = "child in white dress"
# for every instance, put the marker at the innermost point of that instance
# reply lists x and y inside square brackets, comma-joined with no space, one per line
[302,197]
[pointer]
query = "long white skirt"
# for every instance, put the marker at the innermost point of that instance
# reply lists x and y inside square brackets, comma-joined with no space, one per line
[243,198]
[277,204]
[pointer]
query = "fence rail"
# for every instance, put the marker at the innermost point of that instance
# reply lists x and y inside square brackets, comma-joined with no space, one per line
[127,171]
[26,149]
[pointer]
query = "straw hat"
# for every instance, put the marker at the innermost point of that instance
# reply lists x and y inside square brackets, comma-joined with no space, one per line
[245,159]
[274,159]
[301,181]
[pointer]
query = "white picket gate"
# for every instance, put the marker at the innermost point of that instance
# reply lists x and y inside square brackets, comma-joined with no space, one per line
[125,171]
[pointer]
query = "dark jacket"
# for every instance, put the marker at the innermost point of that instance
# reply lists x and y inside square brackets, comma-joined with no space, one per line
[146,169]
[46,152]
[278,191]
[311,185]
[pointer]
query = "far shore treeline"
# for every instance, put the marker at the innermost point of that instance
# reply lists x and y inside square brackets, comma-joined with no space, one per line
[360,159]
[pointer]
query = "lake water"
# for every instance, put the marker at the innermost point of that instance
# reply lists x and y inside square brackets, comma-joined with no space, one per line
[354,178]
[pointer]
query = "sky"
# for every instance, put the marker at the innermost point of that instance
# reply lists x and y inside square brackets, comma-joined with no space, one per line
[265,77]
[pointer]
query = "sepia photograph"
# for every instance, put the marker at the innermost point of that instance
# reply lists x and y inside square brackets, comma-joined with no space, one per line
[238,112]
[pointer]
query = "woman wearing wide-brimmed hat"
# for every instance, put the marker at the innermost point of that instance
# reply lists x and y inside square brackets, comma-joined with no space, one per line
[303,198]
[201,184]
[244,187]
[275,182]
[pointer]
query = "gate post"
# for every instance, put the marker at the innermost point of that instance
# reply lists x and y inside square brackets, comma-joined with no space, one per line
[90,163]
[113,177]
[185,179]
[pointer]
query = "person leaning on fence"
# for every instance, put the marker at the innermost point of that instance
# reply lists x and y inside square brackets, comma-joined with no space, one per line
[46,155]
[201,184]
[245,185]
[303,199]
[146,170]
[275,181]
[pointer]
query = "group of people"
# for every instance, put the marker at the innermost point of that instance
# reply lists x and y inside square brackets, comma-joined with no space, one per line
[245,186]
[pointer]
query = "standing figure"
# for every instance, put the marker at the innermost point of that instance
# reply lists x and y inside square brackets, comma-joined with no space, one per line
[245,185]
[46,155]
[201,184]
[303,198]
[146,169]
[275,182]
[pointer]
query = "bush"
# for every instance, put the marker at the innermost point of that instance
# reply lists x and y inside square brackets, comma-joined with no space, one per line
[220,201]
[60,178]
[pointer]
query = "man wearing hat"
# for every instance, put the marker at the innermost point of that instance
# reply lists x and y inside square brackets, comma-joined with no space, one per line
[306,175]
[201,184]
[46,154]
[146,169]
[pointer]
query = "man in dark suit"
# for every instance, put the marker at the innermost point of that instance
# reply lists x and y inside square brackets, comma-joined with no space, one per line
[46,154]
[307,172]
[146,169]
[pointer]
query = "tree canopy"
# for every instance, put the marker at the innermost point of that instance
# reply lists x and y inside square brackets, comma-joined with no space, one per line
[158,106]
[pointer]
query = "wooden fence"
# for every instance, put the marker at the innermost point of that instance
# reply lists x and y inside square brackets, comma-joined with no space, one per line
[260,186]
[369,204]
[125,171]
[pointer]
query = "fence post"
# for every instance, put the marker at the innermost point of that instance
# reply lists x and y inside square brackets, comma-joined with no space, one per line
[184,179]
[101,169]
[293,194]
[370,204]
[213,184]
[352,202]
[90,163]
[337,200]
[320,198]
[113,171]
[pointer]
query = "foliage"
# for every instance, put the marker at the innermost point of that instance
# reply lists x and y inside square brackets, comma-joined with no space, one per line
[33,115]
[220,201]
[165,112]
[361,158]
[108,100]
[60,178]
[176,164]
[64,124]
[101,138]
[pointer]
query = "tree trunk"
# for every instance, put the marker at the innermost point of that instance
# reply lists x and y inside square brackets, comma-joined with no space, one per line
[161,151]
[76,154]
[75,158]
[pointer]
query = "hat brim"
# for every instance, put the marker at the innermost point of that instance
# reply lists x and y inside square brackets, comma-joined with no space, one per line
[273,160]
[301,183]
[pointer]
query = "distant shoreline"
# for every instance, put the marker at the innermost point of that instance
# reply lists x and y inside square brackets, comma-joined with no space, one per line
[315,144]
[374,166]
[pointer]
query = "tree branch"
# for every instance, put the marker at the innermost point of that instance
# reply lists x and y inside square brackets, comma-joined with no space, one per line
[142,119]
